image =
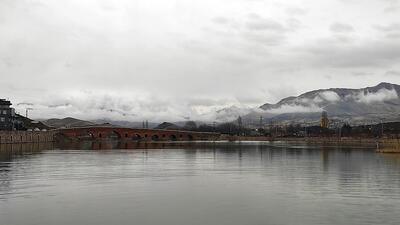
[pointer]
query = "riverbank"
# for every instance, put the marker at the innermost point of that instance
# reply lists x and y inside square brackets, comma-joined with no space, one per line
[389,146]
[385,145]
[382,145]
[316,140]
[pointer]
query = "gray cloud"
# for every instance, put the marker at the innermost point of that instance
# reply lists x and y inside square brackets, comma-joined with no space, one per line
[168,60]
[368,54]
[295,109]
[256,28]
[341,28]
[260,24]
[393,35]
[391,31]
[392,73]
[388,28]
[271,39]
[380,96]
[392,9]
[294,11]
[221,20]
[361,74]
[392,6]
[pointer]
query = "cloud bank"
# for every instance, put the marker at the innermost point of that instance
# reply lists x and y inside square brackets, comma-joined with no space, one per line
[171,59]
[286,108]
[380,96]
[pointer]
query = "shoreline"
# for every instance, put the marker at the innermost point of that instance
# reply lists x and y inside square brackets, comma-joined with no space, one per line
[383,145]
[363,141]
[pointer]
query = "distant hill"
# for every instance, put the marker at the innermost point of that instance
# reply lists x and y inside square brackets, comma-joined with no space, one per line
[231,113]
[67,122]
[26,123]
[364,105]
[121,123]
[355,106]
[168,126]
[73,122]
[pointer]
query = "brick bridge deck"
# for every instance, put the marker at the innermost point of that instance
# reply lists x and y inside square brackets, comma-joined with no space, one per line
[101,133]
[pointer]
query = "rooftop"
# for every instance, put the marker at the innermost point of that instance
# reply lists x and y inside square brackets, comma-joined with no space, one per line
[5,102]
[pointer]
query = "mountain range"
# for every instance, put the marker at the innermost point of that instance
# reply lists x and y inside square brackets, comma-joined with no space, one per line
[67,122]
[354,106]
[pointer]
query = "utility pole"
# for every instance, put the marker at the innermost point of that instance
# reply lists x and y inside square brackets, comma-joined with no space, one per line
[240,125]
[305,129]
[271,127]
[339,130]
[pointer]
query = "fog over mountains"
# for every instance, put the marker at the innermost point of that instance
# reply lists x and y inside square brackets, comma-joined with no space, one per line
[365,105]
[355,106]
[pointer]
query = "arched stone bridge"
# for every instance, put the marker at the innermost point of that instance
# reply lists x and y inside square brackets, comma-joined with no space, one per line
[130,134]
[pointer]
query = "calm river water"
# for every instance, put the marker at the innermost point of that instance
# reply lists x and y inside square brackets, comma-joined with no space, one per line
[197,184]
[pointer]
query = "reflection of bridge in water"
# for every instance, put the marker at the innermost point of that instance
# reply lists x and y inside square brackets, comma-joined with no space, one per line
[132,145]
[130,134]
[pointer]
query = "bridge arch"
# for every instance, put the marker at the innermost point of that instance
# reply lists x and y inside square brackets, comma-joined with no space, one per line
[136,137]
[134,134]
[90,134]
[84,134]
[155,137]
[113,134]
[173,137]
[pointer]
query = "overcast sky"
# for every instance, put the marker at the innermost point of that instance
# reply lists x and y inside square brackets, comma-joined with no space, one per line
[178,59]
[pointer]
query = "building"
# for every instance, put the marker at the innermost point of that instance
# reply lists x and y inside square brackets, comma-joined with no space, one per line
[7,115]
[324,120]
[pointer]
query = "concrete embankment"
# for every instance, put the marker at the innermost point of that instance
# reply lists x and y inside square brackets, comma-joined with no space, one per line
[385,145]
[382,145]
[368,142]
[389,146]
[350,142]
[14,137]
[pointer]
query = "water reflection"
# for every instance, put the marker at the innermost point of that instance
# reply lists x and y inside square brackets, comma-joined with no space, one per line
[197,183]
[107,145]
[10,151]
